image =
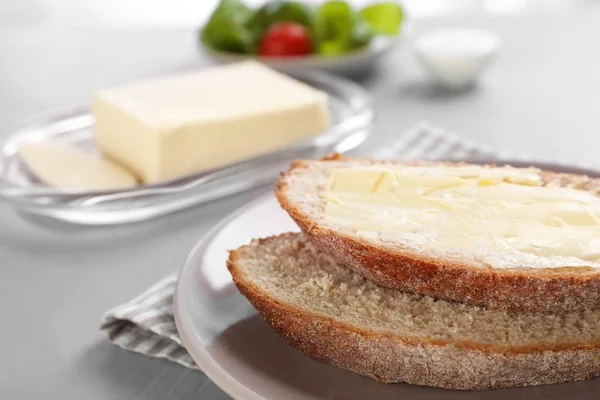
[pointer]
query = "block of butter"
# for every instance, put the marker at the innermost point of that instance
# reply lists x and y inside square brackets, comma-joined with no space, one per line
[187,123]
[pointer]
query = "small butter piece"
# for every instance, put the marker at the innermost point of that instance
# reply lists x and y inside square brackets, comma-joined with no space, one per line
[187,123]
[70,168]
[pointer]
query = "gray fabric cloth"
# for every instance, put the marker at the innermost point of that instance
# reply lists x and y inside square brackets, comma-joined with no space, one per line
[146,324]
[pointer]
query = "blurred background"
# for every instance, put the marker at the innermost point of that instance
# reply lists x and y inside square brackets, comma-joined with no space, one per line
[535,99]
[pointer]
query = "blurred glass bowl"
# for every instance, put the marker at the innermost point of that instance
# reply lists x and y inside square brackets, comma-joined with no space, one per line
[351,117]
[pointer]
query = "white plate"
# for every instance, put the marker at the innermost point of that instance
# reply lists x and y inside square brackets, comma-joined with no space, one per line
[351,63]
[242,354]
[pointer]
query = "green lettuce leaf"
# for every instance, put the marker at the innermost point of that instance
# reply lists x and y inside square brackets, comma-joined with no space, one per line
[226,29]
[338,29]
[279,11]
[383,18]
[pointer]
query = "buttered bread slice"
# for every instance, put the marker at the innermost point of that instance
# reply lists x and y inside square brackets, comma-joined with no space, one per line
[500,237]
[340,318]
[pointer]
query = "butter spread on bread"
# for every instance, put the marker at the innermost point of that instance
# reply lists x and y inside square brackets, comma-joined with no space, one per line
[479,208]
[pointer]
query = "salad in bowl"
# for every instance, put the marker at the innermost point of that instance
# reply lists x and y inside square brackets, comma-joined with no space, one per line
[285,34]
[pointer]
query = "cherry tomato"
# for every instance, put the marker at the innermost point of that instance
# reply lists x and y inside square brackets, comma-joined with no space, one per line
[285,39]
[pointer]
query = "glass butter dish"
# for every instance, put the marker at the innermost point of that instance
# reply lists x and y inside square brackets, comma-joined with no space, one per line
[351,118]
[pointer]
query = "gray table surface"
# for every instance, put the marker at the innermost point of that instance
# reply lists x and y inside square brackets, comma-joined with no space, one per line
[540,98]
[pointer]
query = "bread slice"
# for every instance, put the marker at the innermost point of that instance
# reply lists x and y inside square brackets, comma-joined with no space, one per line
[458,276]
[340,318]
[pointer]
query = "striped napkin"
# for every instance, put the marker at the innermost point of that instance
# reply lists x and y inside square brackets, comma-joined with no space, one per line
[146,324]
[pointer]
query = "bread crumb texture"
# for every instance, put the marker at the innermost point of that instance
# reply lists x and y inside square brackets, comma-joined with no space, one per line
[295,272]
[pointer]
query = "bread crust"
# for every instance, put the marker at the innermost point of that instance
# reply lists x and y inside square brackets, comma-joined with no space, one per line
[391,358]
[536,290]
